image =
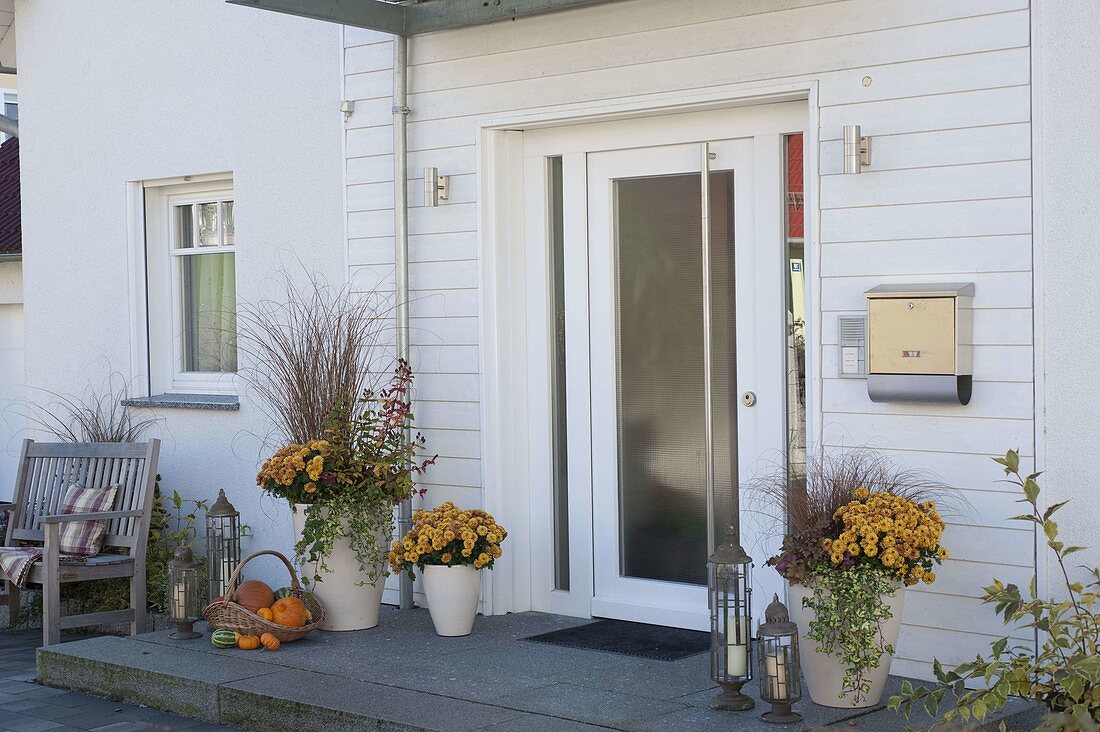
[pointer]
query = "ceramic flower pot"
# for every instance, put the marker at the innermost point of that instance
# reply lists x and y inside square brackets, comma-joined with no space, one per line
[452,594]
[350,599]
[824,674]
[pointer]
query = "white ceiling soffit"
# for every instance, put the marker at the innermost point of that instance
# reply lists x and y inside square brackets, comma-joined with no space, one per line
[415,17]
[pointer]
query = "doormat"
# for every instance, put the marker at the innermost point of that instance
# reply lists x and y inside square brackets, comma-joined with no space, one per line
[630,639]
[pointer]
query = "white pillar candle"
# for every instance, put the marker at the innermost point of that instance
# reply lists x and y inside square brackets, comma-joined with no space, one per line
[737,649]
[179,601]
[777,675]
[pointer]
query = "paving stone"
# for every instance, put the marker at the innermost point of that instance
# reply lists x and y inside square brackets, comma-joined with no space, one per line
[585,704]
[644,677]
[19,723]
[542,723]
[93,718]
[313,701]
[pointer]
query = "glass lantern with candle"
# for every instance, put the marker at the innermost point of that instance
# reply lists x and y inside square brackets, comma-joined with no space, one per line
[730,623]
[184,594]
[223,544]
[779,667]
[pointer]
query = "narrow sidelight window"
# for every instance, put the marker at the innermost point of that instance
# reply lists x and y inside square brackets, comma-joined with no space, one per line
[796,312]
[559,427]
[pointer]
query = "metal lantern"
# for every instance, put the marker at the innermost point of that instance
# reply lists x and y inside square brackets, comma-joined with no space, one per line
[730,622]
[184,594]
[223,544]
[779,667]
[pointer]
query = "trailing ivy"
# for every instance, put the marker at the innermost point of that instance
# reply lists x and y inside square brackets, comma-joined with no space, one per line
[849,611]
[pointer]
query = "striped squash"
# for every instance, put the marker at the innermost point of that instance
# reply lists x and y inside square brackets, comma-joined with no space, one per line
[224,638]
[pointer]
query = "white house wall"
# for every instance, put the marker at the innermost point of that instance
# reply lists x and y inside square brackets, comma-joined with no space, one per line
[1066,102]
[947,198]
[133,90]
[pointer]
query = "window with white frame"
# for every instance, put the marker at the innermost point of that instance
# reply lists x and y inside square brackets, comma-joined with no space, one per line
[191,287]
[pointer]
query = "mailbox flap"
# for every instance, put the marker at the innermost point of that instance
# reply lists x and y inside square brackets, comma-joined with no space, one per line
[911,335]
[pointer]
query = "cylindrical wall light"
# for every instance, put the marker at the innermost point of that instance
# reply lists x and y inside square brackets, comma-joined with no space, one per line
[857,150]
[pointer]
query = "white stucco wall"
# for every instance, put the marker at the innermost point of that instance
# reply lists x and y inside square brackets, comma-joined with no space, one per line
[1067,100]
[12,375]
[142,89]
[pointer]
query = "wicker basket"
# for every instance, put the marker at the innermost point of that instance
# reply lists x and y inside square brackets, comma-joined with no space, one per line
[229,615]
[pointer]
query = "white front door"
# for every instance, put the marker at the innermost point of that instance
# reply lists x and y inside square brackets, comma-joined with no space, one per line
[639,429]
[665,462]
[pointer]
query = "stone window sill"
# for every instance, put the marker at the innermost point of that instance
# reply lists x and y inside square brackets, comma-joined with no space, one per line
[211,402]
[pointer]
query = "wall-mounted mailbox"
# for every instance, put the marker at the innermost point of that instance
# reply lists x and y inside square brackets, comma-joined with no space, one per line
[919,343]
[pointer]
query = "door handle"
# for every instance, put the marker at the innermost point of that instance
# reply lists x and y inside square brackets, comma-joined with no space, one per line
[748,399]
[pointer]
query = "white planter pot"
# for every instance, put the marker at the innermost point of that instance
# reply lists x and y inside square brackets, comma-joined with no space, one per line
[824,675]
[452,594]
[350,599]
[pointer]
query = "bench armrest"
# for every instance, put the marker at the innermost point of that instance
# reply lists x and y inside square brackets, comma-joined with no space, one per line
[100,516]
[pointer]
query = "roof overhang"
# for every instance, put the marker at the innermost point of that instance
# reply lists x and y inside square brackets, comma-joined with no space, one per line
[417,17]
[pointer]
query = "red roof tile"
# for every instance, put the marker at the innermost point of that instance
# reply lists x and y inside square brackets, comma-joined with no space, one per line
[11,229]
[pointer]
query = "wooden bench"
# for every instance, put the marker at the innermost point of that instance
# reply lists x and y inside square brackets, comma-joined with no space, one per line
[46,470]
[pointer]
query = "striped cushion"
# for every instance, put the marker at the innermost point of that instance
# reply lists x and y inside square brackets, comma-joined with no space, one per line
[85,538]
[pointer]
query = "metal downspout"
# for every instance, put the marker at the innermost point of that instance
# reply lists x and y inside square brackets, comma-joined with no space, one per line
[401,232]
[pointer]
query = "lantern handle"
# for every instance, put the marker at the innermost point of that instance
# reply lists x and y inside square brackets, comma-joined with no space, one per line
[231,585]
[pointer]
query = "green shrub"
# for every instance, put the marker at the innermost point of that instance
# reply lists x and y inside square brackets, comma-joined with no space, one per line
[1064,676]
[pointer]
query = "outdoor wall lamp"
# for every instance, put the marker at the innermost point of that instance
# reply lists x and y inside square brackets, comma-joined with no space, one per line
[857,150]
[223,544]
[436,187]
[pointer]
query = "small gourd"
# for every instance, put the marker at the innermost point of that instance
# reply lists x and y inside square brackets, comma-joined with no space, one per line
[270,642]
[248,642]
[224,638]
[265,613]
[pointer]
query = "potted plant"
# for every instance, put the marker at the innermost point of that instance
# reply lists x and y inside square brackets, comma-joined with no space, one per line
[342,490]
[860,532]
[311,360]
[449,545]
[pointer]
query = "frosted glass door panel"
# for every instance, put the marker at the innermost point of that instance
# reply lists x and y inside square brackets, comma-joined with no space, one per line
[662,430]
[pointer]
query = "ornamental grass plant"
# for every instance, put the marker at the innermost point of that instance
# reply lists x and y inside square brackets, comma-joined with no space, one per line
[315,362]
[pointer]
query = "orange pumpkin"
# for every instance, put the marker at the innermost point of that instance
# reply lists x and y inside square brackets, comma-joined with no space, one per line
[290,612]
[253,595]
[265,613]
[248,642]
[270,642]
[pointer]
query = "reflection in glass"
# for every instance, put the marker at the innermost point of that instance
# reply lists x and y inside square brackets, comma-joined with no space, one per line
[560,426]
[662,451]
[185,227]
[796,314]
[209,313]
[208,224]
[227,223]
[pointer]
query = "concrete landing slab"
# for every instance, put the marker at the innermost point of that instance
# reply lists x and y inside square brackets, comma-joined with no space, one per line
[402,677]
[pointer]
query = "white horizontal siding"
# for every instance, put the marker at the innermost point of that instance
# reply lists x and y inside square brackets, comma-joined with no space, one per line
[942,87]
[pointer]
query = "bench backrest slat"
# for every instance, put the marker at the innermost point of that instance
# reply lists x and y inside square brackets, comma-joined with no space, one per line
[47,469]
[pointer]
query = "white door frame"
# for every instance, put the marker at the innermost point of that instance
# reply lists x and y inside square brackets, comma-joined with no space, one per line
[515,401]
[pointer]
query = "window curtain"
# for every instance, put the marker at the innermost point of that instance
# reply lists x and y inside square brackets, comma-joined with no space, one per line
[210,295]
